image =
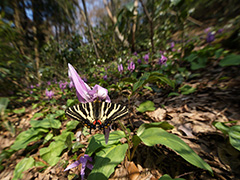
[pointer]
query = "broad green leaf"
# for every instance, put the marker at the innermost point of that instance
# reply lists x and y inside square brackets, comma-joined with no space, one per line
[146,106]
[72,125]
[154,135]
[164,125]
[222,127]
[167,177]
[3,104]
[48,137]
[22,166]
[230,60]
[51,153]
[37,115]
[98,141]
[173,94]
[70,102]
[19,111]
[234,136]
[106,160]
[25,137]
[62,137]
[46,123]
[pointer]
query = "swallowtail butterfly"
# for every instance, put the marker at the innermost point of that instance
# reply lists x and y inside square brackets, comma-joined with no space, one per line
[97,113]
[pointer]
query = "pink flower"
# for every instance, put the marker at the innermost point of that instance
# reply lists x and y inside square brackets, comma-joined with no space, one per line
[49,94]
[120,68]
[131,66]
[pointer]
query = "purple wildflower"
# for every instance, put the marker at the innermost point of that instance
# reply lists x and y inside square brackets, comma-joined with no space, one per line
[49,83]
[31,86]
[139,61]
[146,57]
[49,94]
[210,37]
[84,160]
[63,85]
[31,92]
[105,77]
[162,60]
[120,68]
[172,44]
[220,31]
[131,66]
[207,29]
[135,53]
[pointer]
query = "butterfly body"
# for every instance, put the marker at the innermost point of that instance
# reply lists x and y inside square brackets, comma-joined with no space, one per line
[97,114]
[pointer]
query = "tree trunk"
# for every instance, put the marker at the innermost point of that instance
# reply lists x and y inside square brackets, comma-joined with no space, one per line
[89,29]
[114,21]
[135,13]
[150,24]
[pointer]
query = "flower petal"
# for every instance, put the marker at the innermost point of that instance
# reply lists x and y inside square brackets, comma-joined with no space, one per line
[73,165]
[100,93]
[82,88]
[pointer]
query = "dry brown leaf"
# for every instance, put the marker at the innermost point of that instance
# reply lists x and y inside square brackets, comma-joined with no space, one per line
[157,115]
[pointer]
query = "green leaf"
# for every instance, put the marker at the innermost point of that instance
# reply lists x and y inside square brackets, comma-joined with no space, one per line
[19,111]
[3,104]
[222,127]
[155,135]
[46,123]
[70,102]
[234,136]
[106,160]
[76,146]
[141,81]
[48,137]
[37,115]
[230,60]
[22,166]
[51,153]
[173,94]
[146,106]
[98,141]
[25,137]
[186,89]
[72,125]
[167,177]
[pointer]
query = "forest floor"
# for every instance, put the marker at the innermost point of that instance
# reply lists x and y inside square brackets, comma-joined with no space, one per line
[192,116]
[216,99]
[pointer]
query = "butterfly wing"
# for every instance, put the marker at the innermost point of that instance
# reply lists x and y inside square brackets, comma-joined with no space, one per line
[110,112]
[83,113]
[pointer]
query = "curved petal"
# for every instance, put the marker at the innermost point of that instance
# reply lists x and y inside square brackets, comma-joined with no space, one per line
[82,88]
[73,165]
[100,93]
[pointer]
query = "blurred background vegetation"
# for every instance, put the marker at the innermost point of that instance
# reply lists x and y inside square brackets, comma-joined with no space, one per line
[39,38]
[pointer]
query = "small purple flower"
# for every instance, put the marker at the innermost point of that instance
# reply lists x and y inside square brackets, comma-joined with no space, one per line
[172,44]
[139,61]
[49,94]
[220,31]
[31,86]
[38,85]
[135,53]
[31,92]
[49,83]
[84,160]
[207,29]
[120,68]
[131,66]
[105,77]
[210,37]
[162,60]
[146,57]
[63,85]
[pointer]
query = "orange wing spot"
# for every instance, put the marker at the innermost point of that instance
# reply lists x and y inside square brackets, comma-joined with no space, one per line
[97,122]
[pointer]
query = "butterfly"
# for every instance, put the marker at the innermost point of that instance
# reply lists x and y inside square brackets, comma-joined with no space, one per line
[97,114]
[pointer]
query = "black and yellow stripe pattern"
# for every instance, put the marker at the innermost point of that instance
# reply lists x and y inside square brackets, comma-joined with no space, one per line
[97,113]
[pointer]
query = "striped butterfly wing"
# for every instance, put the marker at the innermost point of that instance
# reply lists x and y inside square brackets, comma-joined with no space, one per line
[97,113]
